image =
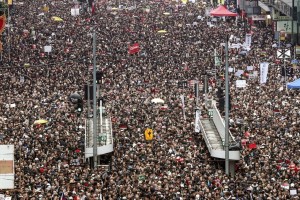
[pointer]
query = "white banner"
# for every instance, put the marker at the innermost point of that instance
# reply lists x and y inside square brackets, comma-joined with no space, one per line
[197,121]
[183,106]
[248,39]
[7,169]
[264,72]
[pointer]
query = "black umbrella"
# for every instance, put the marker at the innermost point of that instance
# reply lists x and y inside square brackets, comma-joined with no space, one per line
[75,97]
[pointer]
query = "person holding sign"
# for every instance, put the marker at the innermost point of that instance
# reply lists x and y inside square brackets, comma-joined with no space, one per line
[149,134]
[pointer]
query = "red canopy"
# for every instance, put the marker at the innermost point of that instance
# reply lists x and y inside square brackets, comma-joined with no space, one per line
[221,11]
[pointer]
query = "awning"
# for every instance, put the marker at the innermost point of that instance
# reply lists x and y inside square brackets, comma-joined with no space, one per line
[264,6]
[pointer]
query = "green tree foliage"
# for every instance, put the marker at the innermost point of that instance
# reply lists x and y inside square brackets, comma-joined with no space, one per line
[3,8]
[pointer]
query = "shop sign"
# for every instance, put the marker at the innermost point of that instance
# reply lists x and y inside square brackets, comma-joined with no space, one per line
[258,17]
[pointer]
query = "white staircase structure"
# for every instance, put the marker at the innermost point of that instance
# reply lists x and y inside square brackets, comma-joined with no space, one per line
[213,131]
[104,136]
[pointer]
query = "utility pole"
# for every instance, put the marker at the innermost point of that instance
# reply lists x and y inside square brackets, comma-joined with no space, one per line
[89,100]
[196,85]
[293,6]
[94,103]
[101,118]
[226,109]
[205,87]
[9,39]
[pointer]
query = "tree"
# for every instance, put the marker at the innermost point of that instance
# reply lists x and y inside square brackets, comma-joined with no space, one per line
[3,8]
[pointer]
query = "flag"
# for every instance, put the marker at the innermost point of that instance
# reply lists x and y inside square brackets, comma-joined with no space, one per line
[2,23]
[149,134]
[77,151]
[93,8]
[135,48]
[252,146]
[123,126]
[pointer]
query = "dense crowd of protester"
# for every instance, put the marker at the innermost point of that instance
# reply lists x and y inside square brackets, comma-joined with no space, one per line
[49,159]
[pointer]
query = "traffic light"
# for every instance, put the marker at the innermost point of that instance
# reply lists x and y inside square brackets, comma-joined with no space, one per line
[86,92]
[220,93]
[99,76]
[79,106]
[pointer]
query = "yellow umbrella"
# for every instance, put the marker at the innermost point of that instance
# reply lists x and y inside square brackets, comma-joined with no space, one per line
[40,121]
[166,13]
[57,19]
[162,31]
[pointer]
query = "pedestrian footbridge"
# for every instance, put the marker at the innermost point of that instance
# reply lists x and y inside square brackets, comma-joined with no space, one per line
[213,131]
[104,136]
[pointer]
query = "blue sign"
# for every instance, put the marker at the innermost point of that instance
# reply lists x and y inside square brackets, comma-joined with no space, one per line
[294,61]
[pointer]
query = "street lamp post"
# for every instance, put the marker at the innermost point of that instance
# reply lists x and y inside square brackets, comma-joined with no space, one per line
[94,104]
[226,109]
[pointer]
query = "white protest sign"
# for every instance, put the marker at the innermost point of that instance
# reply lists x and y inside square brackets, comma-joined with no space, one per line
[239,73]
[74,11]
[22,79]
[249,68]
[235,46]
[241,83]
[230,69]
[47,49]
[252,76]
[293,192]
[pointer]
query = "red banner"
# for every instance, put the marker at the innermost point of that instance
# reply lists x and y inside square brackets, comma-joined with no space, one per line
[2,23]
[135,48]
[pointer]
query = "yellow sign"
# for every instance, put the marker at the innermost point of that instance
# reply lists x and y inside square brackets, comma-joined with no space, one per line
[149,134]
[9,2]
